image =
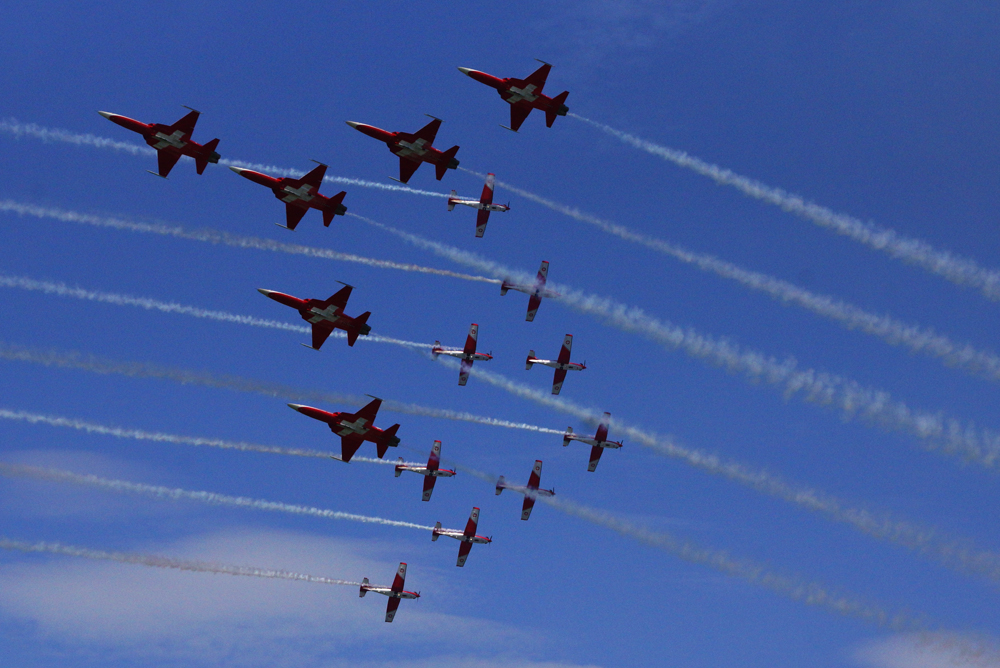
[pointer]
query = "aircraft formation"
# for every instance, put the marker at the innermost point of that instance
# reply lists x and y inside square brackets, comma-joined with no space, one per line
[324,316]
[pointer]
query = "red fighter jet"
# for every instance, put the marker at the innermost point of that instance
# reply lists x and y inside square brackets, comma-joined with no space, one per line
[413,149]
[431,472]
[171,141]
[395,592]
[325,316]
[523,95]
[355,428]
[467,537]
[531,491]
[300,195]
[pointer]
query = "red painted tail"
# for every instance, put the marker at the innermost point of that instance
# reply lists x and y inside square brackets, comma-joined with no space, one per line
[557,108]
[208,155]
[360,327]
[447,162]
[388,438]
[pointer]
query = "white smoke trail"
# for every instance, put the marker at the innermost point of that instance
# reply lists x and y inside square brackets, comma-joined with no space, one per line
[167,562]
[156,491]
[956,553]
[937,432]
[159,437]
[225,238]
[63,290]
[20,130]
[94,364]
[918,339]
[955,268]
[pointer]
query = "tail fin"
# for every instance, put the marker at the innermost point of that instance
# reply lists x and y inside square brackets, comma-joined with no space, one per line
[557,108]
[528,362]
[334,207]
[360,327]
[399,470]
[448,161]
[434,534]
[387,439]
[208,155]
[437,344]
[500,485]
[566,436]
[504,287]
[451,205]
[364,587]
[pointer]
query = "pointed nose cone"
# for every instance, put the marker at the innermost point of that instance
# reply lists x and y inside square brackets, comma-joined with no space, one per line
[239,170]
[354,124]
[296,407]
[266,293]
[107,114]
[464,70]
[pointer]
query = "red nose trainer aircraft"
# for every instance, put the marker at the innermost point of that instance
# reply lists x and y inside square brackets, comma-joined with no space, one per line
[468,537]
[300,195]
[598,443]
[414,149]
[395,592]
[484,204]
[355,428]
[171,141]
[561,365]
[531,491]
[431,472]
[468,355]
[325,316]
[535,292]
[523,95]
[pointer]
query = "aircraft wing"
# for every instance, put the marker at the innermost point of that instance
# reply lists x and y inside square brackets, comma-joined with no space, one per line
[186,124]
[406,168]
[595,457]
[166,158]
[535,479]
[321,331]
[482,217]
[339,299]
[391,607]
[463,372]
[567,347]
[463,553]
[557,380]
[429,131]
[473,523]
[487,196]
[349,445]
[602,429]
[400,580]
[538,77]
[314,178]
[534,301]
[370,411]
[470,341]
[434,461]
[293,214]
[518,113]
[529,503]
[429,481]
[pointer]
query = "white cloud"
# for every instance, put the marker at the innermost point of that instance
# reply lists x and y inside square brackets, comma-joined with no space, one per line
[929,650]
[192,619]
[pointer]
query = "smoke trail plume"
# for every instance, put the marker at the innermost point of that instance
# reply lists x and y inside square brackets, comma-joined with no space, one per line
[167,562]
[63,290]
[159,437]
[219,237]
[923,340]
[55,475]
[955,268]
[947,435]
[20,130]
[94,364]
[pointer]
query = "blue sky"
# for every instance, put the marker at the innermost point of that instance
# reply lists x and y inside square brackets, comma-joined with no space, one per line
[887,113]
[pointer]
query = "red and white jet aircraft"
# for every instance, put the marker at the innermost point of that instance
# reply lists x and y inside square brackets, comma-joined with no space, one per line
[355,428]
[300,195]
[535,292]
[170,141]
[561,365]
[484,204]
[531,491]
[431,472]
[468,537]
[395,592]
[468,355]
[598,443]
[523,95]
[325,316]
[414,148]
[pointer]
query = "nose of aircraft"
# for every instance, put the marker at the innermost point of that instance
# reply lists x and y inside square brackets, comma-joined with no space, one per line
[354,124]
[296,407]
[266,293]
[239,170]
[106,114]
[464,70]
